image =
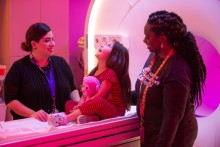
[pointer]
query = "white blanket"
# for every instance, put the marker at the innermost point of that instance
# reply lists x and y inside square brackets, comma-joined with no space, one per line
[31,125]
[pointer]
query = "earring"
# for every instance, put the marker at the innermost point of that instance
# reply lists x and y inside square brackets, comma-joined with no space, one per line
[161,45]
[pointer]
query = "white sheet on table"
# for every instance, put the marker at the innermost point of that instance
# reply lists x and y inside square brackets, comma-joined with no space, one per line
[15,128]
[32,125]
[26,126]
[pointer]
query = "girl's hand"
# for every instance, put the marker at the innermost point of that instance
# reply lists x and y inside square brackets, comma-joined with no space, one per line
[76,107]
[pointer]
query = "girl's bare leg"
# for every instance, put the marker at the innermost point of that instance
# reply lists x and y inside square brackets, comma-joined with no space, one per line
[73,116]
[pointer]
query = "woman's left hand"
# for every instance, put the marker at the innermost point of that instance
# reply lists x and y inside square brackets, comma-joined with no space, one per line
[41,115]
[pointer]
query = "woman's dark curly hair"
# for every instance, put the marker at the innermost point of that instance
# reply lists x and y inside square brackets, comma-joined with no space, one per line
[183,41]
[118,60]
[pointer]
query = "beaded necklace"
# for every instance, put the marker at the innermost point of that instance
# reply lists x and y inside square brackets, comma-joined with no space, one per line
[143,99]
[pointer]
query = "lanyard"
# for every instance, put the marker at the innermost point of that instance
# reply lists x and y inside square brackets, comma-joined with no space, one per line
[50,80]
[144,96]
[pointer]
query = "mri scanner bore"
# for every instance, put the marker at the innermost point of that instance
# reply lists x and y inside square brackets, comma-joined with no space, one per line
[211,94]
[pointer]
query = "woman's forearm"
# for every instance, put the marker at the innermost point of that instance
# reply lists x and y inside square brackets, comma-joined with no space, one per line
[20,109]
[75,95]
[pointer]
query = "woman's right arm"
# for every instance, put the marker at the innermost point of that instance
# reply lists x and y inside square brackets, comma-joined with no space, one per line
[75,95]
[134,97]
[22,110]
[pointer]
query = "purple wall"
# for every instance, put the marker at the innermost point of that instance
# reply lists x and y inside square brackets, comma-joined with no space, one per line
[77,13]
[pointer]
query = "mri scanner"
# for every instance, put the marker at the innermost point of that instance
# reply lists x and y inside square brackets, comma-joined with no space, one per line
[123,131]
[119,131]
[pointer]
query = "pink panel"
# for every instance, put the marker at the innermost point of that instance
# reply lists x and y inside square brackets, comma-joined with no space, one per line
[23,13]
[211,96]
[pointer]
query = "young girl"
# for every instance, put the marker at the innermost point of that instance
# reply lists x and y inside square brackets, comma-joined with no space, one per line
[114,96]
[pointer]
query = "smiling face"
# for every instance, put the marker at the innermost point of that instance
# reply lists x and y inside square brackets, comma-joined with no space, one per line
[152,40]
[104,51]
[45,46]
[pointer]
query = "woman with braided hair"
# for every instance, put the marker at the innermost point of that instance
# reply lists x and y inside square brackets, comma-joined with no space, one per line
[170,86]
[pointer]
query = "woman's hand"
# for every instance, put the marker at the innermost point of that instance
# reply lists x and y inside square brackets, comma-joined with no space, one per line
[41,115]
[22,110]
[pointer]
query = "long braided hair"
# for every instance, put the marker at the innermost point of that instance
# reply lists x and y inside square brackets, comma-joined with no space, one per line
[183,41]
